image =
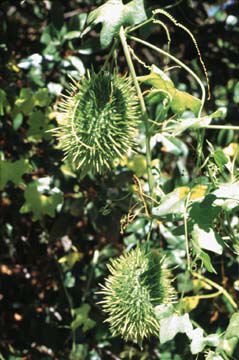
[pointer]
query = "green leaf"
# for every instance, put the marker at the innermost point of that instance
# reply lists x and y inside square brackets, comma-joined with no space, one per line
[42,97]
[213,356]
[233,327]
[13,171]
[203,213]
[3,101]
[207,240]
[183,101]
[236,93]
[79,352]
[179,126]
[25,102]
[39,203]
[204,257]
[199,342]
[179,100]
[172,325]
[172,145]
[172,203]
[17,121]
[164,311]
[114,14]
[220,158]
[38,126]
[78,64]
[82,318]
[72,35]
[230,340]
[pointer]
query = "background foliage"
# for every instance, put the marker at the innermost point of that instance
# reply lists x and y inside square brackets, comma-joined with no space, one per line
[57,232]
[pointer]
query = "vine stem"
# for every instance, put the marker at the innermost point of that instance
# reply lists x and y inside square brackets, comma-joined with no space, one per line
[185,221]
[218,287]
[205,296]
[70,302]
[142,105]
[185,67]
[109,56]
[221,127]
[203,98]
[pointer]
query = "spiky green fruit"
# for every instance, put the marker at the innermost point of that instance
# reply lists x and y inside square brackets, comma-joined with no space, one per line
[138,282]
[97,121]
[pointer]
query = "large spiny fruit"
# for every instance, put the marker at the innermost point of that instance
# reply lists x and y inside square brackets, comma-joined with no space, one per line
[138,282]
[97,121]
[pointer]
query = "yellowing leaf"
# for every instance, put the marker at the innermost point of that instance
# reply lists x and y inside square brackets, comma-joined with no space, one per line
[189,303]
[172,203]
[231,150]
[198,192]
[183,191]
[138,165]
[71,259]
[199,284]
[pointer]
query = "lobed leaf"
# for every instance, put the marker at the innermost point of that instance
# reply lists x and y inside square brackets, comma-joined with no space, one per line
[114,14]
[13,171]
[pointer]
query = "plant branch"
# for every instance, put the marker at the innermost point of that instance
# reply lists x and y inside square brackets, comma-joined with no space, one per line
[142,105]
[221,127]
[192,73]
[185,67]
[218,287]
[70,302]
[185,222]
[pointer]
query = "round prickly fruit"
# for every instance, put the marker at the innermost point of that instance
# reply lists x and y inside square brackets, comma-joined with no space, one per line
[97,121]
[138,282]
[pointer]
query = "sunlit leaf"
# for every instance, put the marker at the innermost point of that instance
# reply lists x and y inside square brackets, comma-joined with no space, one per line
[40,203]
[113,14]
[71,259]
[207,240]
[176,127]
[227,196]
[204,257]
[179,100]
[189,303]
[199,342]
[233,327]
[172,325]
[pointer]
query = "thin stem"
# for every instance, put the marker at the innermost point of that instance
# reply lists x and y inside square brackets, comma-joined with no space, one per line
[110,54]
[185,221]
[223,127]
[205,296]
[201,133]
[142,105]
[218,287]
[185,67]
[70,302]
[91,273]
[140,25]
